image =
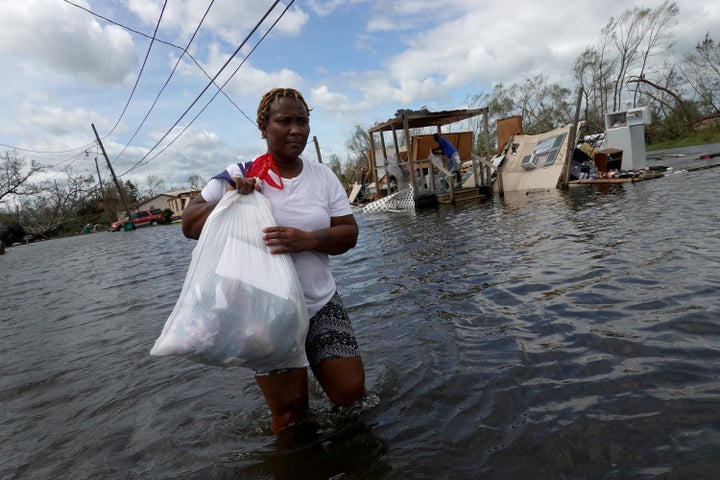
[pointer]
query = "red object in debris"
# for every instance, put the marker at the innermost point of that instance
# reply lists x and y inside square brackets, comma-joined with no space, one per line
[709,155]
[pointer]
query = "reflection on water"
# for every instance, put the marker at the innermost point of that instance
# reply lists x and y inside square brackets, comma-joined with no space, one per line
[549,335]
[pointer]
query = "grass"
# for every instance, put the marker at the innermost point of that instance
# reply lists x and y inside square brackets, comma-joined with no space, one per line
[702,137]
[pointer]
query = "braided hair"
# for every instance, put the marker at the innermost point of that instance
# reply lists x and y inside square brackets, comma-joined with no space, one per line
[263,110]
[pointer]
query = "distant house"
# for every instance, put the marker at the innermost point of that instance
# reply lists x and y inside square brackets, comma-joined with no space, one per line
[175,201]
[180,200]
[161,201]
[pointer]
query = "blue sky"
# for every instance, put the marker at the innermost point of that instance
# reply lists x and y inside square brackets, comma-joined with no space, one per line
[356,62]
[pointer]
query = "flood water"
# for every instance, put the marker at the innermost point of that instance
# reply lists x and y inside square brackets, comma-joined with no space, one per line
[550,335]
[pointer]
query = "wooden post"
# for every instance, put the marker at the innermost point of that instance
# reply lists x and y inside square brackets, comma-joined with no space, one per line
[317,148]
[406,129]
[487,172]
[383,148]
[565,177]
[102,189]
[112,172]
[409,162]
[373,165]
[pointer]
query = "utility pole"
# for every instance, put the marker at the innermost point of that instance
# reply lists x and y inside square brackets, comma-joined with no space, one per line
[117,184]
[102,189]
[317,148]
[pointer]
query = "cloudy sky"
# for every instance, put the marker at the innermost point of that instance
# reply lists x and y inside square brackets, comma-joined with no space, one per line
[65,68]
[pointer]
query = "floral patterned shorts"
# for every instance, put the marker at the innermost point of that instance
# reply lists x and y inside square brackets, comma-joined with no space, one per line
[330,335]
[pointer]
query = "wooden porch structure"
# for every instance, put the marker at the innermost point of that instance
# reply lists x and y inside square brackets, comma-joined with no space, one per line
[416,161]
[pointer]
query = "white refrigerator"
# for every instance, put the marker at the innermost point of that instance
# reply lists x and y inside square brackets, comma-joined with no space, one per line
[625,130]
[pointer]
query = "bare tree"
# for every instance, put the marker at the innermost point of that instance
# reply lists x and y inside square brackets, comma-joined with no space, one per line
[56,204]
[593,71]
[638,35]
[477,124]
[657,37]
[155,185]
[359,147]
[667,96]
[626,36]
[196,181]
[15,173]
[703,72]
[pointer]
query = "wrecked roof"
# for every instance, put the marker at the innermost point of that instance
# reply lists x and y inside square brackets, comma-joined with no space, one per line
[423,118]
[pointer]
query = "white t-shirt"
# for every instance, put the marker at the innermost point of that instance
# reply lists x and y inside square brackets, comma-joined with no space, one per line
[307,202]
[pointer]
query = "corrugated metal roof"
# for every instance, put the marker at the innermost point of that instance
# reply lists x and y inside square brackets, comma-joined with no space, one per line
[426,119]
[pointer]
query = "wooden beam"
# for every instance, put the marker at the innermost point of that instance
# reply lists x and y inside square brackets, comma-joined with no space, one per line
[565,177]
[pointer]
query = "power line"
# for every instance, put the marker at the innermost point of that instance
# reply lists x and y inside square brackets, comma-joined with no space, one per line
[142,68]
[141,163]
[108,63]
[130,29]
[154,38]
[164,42]
[47,151]
[157,97]
[212,82]
[69,162]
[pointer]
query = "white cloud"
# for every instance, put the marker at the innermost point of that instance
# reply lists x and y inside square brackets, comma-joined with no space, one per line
[327,7]
[335,107]
[247,81]
[56,36]
[357,62]
[230,21]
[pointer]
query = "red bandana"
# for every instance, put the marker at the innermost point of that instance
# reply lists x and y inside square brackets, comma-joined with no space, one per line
[265,168]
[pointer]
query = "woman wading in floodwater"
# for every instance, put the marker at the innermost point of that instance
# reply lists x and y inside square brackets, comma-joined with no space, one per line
[314,220]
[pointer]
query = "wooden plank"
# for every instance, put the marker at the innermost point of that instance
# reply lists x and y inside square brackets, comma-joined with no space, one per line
[354,192]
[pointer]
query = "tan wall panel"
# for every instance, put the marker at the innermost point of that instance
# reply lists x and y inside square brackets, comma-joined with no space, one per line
[507,127]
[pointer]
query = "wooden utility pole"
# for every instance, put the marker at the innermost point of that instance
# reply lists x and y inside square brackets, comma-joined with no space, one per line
[317,148]
[112,172]
[102,189]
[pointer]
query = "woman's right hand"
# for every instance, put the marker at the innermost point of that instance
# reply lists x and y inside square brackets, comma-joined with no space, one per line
[244,185]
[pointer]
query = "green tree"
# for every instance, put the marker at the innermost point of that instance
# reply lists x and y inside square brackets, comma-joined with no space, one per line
[131,193]
[113,202]
[542,105]
[334,163]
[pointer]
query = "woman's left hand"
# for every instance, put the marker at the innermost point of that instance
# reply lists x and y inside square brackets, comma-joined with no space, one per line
[288,239]
[339,238]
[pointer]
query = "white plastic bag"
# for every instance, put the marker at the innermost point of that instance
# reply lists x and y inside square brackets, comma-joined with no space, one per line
[239,305]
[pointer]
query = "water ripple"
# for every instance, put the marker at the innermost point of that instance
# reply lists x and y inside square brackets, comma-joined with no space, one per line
[553,335]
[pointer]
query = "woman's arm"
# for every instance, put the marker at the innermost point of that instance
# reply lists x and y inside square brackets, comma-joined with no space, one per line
[198,210]
[194,216]
[339,238]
